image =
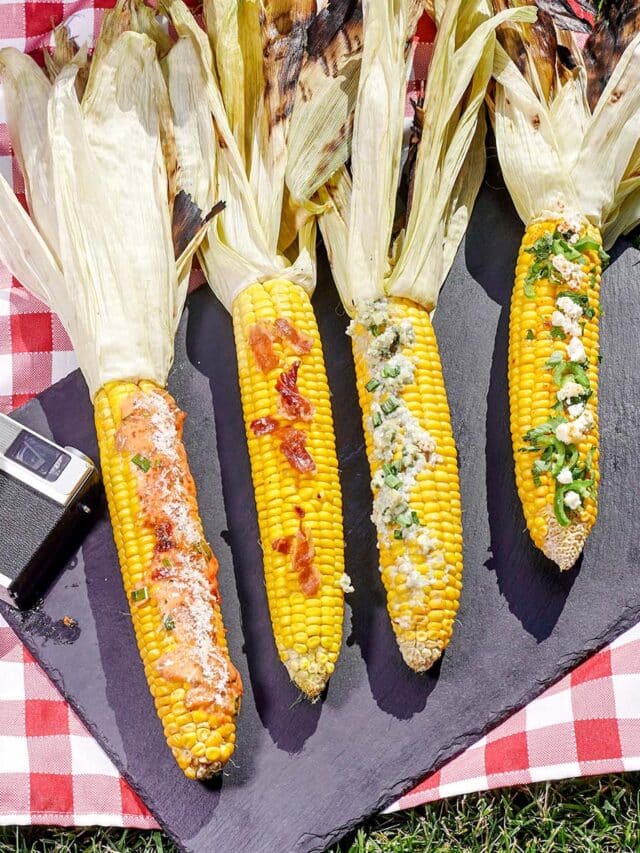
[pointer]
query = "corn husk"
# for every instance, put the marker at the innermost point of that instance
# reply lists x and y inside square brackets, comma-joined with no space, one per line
[557,153]
[98,248]
[237,112]
[357,227]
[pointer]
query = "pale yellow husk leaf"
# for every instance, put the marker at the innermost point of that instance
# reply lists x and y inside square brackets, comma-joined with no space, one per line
[241,244]
[450,161]
[114,283]
[560,156]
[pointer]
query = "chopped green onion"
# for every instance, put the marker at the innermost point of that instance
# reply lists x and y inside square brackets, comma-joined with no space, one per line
[390,372]
[372,384]
[140,594]
[392,481]
[142,462]
[398,534]
[404,519]
[375,330]
[414,516]
[376,419]
[389,405]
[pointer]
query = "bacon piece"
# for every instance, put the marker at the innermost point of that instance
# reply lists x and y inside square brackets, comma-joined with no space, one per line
[302,558]
[293,445]
[302,553]
[286,331]
[292,404]
[263,426]
[283,544]
[261,343]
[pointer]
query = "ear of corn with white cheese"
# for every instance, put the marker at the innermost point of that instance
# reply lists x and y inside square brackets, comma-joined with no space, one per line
[390,290]
[569,158]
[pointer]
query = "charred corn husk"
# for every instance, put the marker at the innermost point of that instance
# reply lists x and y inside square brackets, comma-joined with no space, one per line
[566,135]
[169,573]
[553,383]
[414,473]
[295,477]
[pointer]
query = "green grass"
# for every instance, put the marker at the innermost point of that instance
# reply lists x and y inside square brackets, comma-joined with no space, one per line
[582,816]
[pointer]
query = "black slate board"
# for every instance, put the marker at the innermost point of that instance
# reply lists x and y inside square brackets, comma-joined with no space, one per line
[303,775]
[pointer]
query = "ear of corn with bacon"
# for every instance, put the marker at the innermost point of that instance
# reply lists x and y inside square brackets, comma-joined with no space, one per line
[259,259]
[305,596]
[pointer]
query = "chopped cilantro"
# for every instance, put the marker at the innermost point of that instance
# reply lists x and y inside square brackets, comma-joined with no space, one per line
[557,333]
[530,335]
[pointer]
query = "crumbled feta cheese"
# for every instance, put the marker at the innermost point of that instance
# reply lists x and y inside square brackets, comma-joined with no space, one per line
[568,326]
[345,583]
[572,273]
[569,307]
[572,500]
[576,350]
[565,476]
[574,431]
[572,222]
[403,621]
[569,390]
[575,410]
[574,239]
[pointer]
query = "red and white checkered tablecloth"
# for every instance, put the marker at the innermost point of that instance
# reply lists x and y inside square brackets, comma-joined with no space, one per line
[53,772]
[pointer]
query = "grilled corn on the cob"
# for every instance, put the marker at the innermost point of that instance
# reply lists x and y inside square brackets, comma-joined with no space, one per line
[98,249]
[567,144]
[295,474]
[389,291]
[260,262]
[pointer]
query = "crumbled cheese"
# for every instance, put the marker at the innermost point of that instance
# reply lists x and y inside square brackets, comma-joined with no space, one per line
[404,622]
[572,500]
[345,583]
[568,326]
[572,223]
[576,351]
[574,431]
[575,410]
[567,305]
[565,476]
[569,390]
[572,273]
